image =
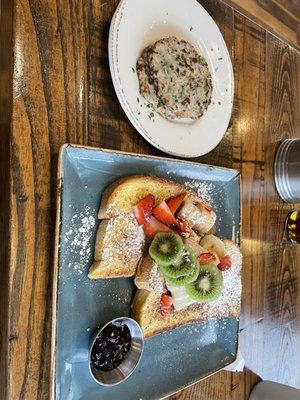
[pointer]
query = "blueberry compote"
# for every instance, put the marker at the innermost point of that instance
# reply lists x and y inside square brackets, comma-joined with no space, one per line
[111,347]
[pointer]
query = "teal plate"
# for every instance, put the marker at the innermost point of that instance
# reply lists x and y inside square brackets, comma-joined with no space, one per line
[171,360]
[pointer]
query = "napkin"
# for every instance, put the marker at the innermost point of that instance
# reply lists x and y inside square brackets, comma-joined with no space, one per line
[238,364]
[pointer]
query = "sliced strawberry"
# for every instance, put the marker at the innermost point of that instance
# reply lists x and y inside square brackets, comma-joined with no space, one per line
[166,302]
[143,209]
[163,213]
[207,258]
[225,263]
[204,206]
[175,202]
[153,226]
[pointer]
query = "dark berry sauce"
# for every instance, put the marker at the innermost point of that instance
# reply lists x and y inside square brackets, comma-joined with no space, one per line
[111,347]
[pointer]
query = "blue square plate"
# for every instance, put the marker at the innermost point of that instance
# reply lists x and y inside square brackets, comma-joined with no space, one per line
[171,360]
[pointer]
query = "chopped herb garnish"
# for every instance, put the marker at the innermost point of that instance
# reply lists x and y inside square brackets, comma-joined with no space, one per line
[139,113]
[219,103]
[138,100]
[220,58]
[181,91]
[133,70]
[191,28]
[148,105]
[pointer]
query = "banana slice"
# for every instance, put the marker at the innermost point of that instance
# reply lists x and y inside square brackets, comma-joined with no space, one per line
[180,297]
[213,244]
[194,245]
[198,218]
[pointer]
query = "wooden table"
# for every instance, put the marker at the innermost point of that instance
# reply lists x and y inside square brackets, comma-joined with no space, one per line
[62,92]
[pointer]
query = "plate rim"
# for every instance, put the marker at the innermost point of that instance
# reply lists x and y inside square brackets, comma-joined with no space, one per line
[121,98]
[56,257]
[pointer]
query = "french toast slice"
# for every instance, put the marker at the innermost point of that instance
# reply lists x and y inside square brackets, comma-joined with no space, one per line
[120,241]
[146,303]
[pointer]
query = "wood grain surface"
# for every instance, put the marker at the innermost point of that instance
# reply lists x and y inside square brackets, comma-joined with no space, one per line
[282,17]
[62,92]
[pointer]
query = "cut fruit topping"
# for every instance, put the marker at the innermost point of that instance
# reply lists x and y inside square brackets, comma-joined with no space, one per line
[225,263]
[163,213]
[207,258]
[165,303]
[214,245]
[204,206]
[184,280]
[166,248]
[143,209]
[208,286]
[194,244]
[175,202]
[153,226]
[180,297]
[186,231]
[184,265]
[197,217]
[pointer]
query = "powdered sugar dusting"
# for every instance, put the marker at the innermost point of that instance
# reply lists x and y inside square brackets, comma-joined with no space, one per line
[77,238]
[156,281]
[124,239]
[205,190]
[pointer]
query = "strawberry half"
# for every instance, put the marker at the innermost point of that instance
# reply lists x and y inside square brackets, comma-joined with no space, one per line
[153,226]
[175,202]
[164,214]
[207,258]
[166,302]
[143,209]
[225,263]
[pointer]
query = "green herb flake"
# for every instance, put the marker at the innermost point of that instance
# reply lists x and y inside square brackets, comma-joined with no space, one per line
[220,58]
[137,99]
[133,70]
[191,28]
[181,92]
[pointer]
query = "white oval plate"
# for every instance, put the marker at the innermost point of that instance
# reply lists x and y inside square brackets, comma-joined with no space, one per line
[138,23]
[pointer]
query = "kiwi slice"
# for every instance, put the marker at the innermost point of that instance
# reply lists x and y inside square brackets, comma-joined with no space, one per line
[185,279]
[166,248]
[184,265]
[207,286]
